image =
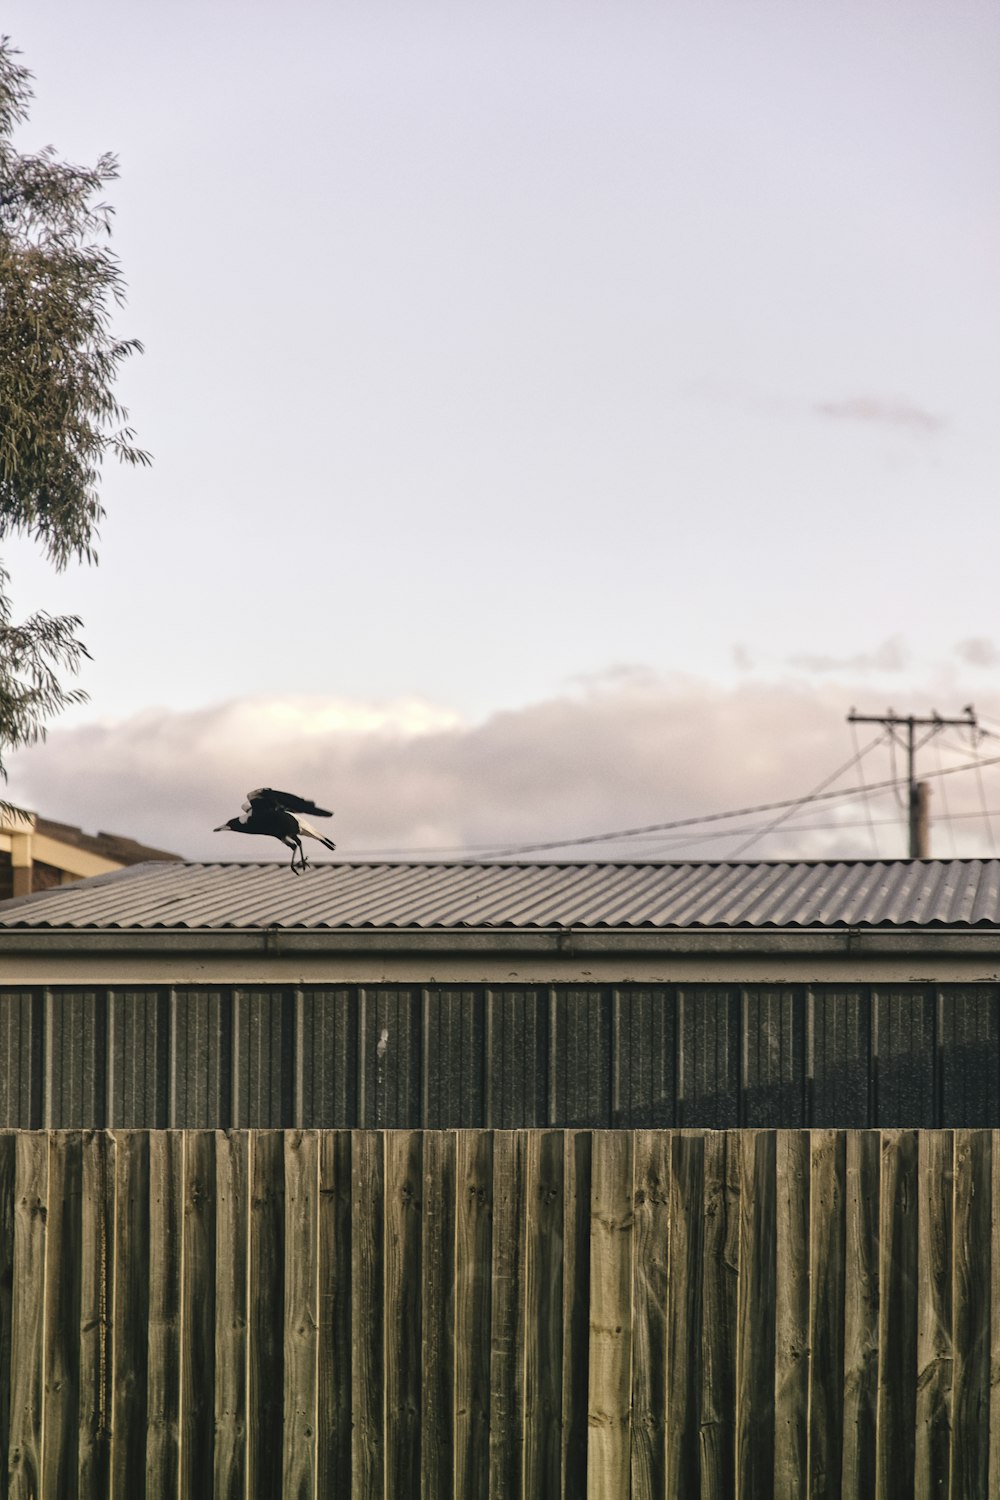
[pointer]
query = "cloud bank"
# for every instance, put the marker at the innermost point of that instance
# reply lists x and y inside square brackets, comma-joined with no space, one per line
[622,750]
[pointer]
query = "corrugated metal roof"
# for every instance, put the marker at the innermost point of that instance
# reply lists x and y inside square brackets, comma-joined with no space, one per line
[334,896]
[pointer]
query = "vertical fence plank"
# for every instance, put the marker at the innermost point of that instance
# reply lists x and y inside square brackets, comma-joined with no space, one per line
[367,1315]
[861,1309]
[437,1450]
[934,1313]
[131,1314]
[755,1321]
[473,1312]
[543,1315]
[713,1374]
[897,1316]
[514,1343]
[267,1312]
[198,1312]
[232,1269]
[164,1271]
[972,1316]
[577,1174]
[824,1250]
[97,1276]
[63,1246]
[791,1317]
[27,1352]
[610,1385]
[994,1405]
[684,1321]
[651,1182]
[301,1313]
[8,1149]
[335,1334]
[403,1212]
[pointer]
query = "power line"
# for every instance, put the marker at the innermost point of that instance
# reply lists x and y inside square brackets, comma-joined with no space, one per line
[820,786]
[982,803]
[512,850]
[491,851]
[946,817]
[683,840]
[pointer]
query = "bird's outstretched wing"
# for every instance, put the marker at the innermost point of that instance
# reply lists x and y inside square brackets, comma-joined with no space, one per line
[266,797]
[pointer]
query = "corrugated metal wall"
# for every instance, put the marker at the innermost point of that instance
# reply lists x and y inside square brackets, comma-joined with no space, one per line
[712,1056]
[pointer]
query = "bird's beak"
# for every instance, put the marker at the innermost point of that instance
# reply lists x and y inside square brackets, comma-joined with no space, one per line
[221,828]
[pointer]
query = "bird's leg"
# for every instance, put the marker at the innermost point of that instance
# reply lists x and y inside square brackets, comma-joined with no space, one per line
[292,866]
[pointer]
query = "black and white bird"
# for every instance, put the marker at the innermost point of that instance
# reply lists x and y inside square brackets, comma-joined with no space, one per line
[277,814]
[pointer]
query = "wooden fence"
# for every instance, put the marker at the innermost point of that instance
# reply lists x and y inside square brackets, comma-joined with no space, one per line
[500,1314]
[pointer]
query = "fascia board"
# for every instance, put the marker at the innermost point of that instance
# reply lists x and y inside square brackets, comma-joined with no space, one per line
[840,942]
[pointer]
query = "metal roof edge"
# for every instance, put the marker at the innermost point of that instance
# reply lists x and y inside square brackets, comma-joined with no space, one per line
[565,942]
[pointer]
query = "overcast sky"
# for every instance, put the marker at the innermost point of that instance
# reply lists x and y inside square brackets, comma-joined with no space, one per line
[561,414]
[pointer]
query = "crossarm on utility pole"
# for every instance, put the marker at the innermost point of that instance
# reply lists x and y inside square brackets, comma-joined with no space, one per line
[918,800]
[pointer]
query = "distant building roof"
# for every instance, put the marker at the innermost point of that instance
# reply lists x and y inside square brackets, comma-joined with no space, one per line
[110,846]
[39,854]
[177,895]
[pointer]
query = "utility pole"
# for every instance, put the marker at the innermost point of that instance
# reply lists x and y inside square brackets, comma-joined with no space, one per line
[919,792]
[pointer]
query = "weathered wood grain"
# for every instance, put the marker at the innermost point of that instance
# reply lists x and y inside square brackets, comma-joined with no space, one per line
[862,1218]
[513,1346]
[367,1296]
[609,1401]
[402,1309]
[131,1314]
[8,1155]
[577,1173]
[755,1316]
[480,1314]
[826,1257]
[685,1260]
[720,1251]
[473,1312]
[198,1312]
[437,1448]
[31,1190]
[232,1311]
[97,1278]
[935,1353]
[63,1256]
[972,1315]
[163,1373]
[334,1351]
[897,1393]
[994,1395]
[301,1314]
[544,1210]
[651,1198]
[266,1354]
[791,1314]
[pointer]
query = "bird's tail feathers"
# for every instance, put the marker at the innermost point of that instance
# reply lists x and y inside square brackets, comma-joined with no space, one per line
[312,834]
